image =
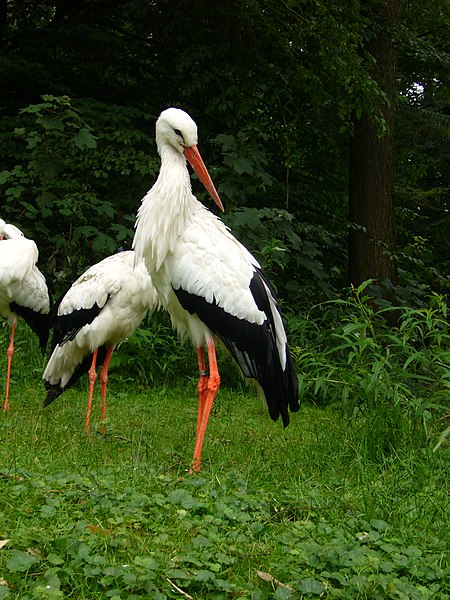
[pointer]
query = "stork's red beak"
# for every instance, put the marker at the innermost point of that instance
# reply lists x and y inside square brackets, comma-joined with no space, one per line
[195,160]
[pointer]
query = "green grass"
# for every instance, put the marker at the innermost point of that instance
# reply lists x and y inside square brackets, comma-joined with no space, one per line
[275,513]
[350,501]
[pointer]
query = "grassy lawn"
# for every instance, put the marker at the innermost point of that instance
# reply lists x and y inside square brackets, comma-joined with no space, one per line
[294,513]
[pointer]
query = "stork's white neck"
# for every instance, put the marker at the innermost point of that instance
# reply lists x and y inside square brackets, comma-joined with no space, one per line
[165,210]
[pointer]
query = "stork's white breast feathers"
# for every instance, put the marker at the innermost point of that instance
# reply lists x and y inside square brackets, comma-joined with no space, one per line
[223,274]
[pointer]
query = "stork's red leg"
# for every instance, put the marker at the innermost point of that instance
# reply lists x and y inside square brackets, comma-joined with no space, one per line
[10,353]
[103,384]
[211,391]
[92,377]
[202,385]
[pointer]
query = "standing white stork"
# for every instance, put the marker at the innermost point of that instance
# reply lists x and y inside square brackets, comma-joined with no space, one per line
[23,290]
[208,281]
[101,308]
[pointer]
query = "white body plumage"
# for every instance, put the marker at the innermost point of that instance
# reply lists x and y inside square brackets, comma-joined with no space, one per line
[102,307]
[21,282]
[223,275]
[185,245]
[23,289]
[208,281]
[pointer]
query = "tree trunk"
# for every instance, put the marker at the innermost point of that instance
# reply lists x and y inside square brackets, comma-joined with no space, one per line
[371,206]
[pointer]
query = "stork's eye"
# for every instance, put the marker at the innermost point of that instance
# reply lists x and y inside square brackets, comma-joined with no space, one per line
[178,132]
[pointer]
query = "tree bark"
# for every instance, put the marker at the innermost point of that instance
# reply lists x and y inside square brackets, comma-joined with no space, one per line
[371,168]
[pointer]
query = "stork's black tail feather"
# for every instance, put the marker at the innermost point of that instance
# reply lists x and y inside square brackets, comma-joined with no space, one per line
[280,386]
[55,390]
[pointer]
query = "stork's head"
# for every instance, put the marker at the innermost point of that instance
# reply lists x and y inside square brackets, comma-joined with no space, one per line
[8,231]
[175,128]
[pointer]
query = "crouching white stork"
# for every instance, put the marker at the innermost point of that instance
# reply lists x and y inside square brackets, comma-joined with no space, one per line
[23,290]
[208,281]
[101,308]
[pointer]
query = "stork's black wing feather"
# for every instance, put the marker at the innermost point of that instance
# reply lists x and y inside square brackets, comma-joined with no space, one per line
[38,322]
[253,346]
[67,326]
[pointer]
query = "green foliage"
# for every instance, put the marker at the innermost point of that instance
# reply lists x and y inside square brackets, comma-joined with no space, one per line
[350,501]
[40,188]
[333,504]
[294,254]
[422,146]
[70,189]
[207,524]
[273,95]
[199,529]
[368,564]
[246,163]
[392,382]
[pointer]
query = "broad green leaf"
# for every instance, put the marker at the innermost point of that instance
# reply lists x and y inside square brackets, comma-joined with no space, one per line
[79,550]
[85,139]
[204,575]
[4,176]
[311,586]
[183,497]
[243,165]
[379,525]
[21,561]
[51,123]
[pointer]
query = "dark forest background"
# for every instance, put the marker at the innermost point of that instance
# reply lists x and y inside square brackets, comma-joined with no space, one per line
[324,125]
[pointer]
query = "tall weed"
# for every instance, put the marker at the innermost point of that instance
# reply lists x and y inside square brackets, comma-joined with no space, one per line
[392,382]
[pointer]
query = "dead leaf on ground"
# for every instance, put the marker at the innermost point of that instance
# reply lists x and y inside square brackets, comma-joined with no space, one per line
[270,579]
[3,543]
[98,530]
[179,590]
[12,476]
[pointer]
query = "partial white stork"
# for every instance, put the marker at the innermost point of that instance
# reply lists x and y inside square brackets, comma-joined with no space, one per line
[208,281]
[23,290]
[101,308]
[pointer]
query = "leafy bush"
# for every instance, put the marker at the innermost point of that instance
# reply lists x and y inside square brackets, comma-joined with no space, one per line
[294,254]
[70,182]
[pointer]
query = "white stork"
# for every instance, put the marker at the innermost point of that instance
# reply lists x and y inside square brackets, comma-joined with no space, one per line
[101,308]
[23,290]
[208,281]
